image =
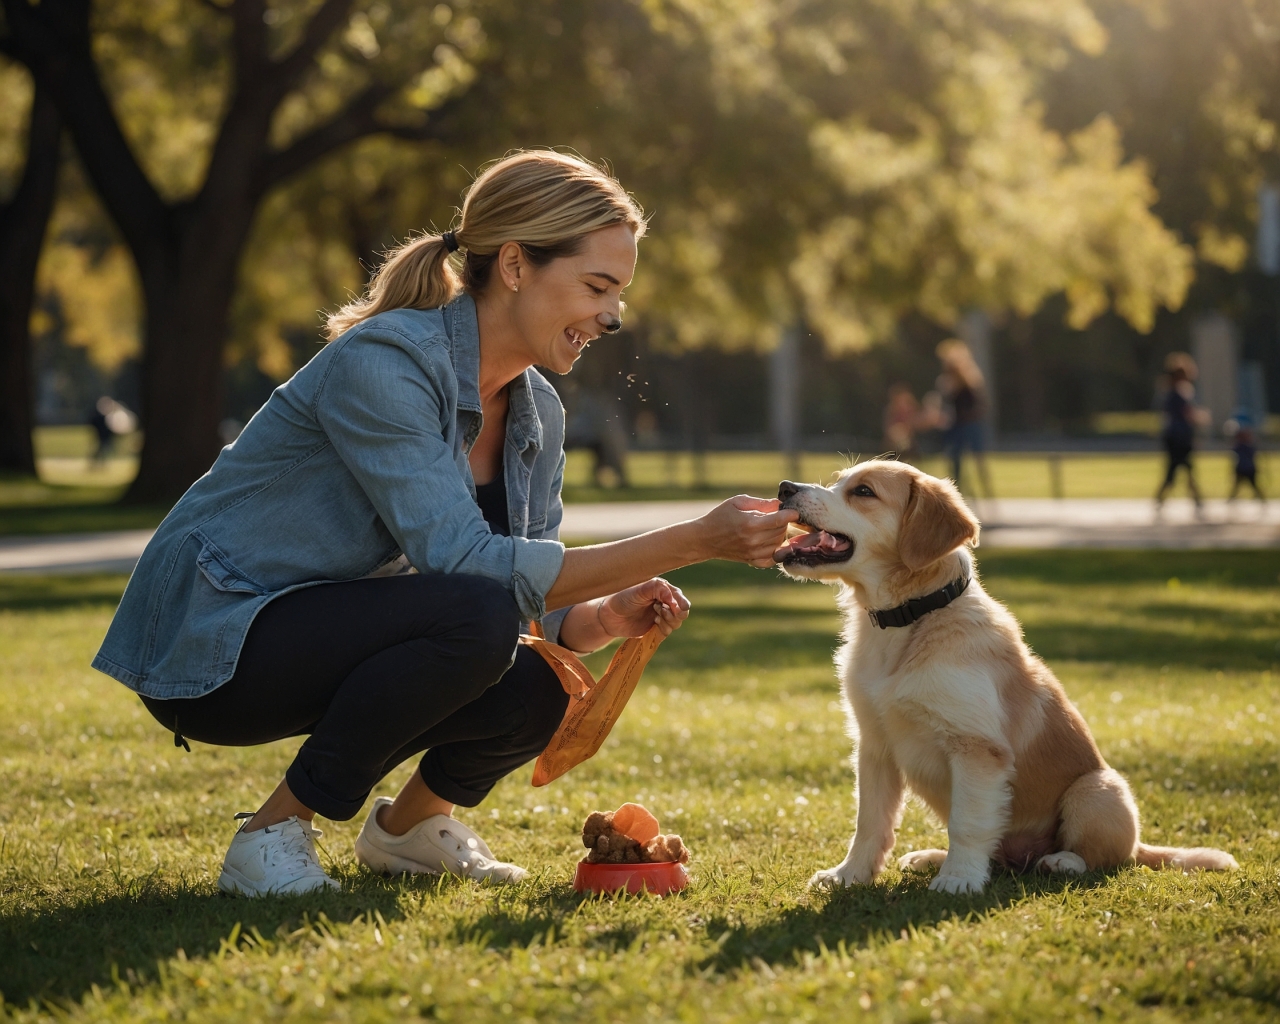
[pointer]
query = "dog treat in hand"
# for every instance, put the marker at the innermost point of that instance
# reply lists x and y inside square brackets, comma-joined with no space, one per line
[629,835]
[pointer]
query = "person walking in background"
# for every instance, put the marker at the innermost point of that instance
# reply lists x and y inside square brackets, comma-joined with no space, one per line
[1246,452]
[1181,417]
[901,420]
[964,390]
[109,419]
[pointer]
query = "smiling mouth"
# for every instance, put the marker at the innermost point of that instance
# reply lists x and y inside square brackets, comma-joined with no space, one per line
[578,341]
[815,547]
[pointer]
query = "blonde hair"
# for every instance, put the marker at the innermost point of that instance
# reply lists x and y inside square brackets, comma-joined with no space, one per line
[1181,364]
[957,357]
[546,201]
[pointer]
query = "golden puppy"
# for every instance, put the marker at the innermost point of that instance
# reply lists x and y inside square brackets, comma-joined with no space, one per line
[943,696]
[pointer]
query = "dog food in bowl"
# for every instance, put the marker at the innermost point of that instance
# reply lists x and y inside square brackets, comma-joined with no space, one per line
[626,850]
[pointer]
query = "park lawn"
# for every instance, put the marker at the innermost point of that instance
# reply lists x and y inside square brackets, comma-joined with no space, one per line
[76,495]
[1013,474]
[111,837]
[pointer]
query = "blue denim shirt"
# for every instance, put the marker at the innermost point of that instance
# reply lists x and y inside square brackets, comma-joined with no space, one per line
[359,460]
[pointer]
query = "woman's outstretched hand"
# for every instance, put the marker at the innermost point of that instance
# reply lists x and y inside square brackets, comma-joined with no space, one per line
[633,611]
[746,529]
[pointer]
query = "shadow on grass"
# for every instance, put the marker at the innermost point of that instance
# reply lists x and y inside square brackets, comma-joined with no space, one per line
[73,517]
[862,915]
[47,593]
[57,951]
[522,923]
[1132,644]
[855,917]
[1228,568]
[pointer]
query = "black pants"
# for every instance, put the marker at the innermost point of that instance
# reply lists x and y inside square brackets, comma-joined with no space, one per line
[378,671]
[1179,454]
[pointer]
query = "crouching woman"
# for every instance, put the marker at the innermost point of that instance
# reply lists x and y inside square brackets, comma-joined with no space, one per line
[276,600]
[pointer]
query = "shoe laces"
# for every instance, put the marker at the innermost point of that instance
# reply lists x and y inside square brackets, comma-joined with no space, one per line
[295,849]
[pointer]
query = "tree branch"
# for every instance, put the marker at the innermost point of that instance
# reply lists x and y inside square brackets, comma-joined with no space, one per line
[289,68]
[52,40]
[356,120]
[249,40]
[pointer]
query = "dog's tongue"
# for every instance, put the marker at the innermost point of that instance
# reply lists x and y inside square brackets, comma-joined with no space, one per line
[818,540]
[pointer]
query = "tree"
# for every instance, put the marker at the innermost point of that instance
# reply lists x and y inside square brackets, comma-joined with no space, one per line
[23,220]
[907,166]
[283,108]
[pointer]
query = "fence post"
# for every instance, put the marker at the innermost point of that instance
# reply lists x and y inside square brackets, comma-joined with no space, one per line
[1055,474]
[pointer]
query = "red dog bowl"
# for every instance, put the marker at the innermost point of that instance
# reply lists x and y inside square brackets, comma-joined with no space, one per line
[659,879]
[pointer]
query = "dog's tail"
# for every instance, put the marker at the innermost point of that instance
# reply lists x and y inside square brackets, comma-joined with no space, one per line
[1198,858]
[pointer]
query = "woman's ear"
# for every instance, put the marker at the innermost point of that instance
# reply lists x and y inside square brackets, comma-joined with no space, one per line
[511,265]
[936,522]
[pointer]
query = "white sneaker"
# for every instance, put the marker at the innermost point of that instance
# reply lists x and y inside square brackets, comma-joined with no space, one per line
[439,845]
[279,859]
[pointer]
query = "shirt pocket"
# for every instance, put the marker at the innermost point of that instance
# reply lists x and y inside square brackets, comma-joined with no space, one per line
[222,573]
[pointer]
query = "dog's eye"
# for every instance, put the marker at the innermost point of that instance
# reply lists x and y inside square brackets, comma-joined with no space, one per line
[863,491]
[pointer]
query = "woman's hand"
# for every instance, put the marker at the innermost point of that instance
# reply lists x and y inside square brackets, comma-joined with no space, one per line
[746,529]
[633,611]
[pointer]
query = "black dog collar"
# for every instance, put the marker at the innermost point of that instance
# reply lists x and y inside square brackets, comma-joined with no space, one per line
[909,611]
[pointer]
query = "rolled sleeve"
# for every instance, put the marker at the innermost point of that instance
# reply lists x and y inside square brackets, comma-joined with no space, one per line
[384,411]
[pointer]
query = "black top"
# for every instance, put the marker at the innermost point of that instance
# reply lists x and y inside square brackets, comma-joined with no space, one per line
[970,405]
[1177,411]
[492,499]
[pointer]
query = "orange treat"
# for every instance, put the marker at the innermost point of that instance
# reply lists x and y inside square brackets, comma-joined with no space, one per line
[636,821]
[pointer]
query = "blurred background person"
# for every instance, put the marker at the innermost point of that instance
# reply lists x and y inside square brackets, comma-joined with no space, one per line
[1181,417]
[902,418]
[592,426]
[1245,448]
[109,419]
[964,393]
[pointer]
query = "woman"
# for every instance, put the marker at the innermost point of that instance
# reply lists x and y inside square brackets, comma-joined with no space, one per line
[962,385]
[1181,417]
[421,437]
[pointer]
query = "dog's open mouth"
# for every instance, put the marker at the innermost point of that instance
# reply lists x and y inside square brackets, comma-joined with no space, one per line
[815,547]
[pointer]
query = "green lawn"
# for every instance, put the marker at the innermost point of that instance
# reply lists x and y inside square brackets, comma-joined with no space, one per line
[110,836]
[75,496]
[1013,474]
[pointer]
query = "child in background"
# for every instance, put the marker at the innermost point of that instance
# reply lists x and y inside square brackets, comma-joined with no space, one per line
[901,420]
[1246,451]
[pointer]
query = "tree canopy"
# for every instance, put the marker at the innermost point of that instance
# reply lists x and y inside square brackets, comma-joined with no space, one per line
[840,162]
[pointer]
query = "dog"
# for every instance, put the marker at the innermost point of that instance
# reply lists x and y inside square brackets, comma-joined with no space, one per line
[944,697]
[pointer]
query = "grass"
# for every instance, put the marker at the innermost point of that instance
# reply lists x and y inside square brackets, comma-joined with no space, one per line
[1013,474]
[110,836]
[73,496]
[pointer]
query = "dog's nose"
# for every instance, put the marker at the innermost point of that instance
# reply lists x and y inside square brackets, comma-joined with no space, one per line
[787,490]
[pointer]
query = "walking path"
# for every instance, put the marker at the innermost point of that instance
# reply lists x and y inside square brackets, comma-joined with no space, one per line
[1008,522]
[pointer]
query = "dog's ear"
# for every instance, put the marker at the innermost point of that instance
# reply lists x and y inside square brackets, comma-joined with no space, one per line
[935,523]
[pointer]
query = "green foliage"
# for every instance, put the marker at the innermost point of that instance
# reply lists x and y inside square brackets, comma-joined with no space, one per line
[846,161]
[111,836]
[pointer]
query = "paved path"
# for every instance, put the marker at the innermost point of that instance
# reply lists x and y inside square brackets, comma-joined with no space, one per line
[1011,522]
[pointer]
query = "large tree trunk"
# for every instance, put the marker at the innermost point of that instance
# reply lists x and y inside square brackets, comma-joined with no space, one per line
[23,221]
[188,300]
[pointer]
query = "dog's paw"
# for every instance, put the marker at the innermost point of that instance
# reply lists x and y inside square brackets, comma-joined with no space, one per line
[839,877]
[1063,863]
[958,882]
[922,860]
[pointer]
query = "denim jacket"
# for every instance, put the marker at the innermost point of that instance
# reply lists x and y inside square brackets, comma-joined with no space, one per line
[357,462]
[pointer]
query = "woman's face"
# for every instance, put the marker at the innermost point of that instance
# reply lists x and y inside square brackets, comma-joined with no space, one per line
[560,308]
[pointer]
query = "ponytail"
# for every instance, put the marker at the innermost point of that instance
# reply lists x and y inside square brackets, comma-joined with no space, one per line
[546,201]
[416,274]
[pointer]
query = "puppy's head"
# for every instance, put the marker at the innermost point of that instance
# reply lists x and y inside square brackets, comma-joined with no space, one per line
[877,516]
